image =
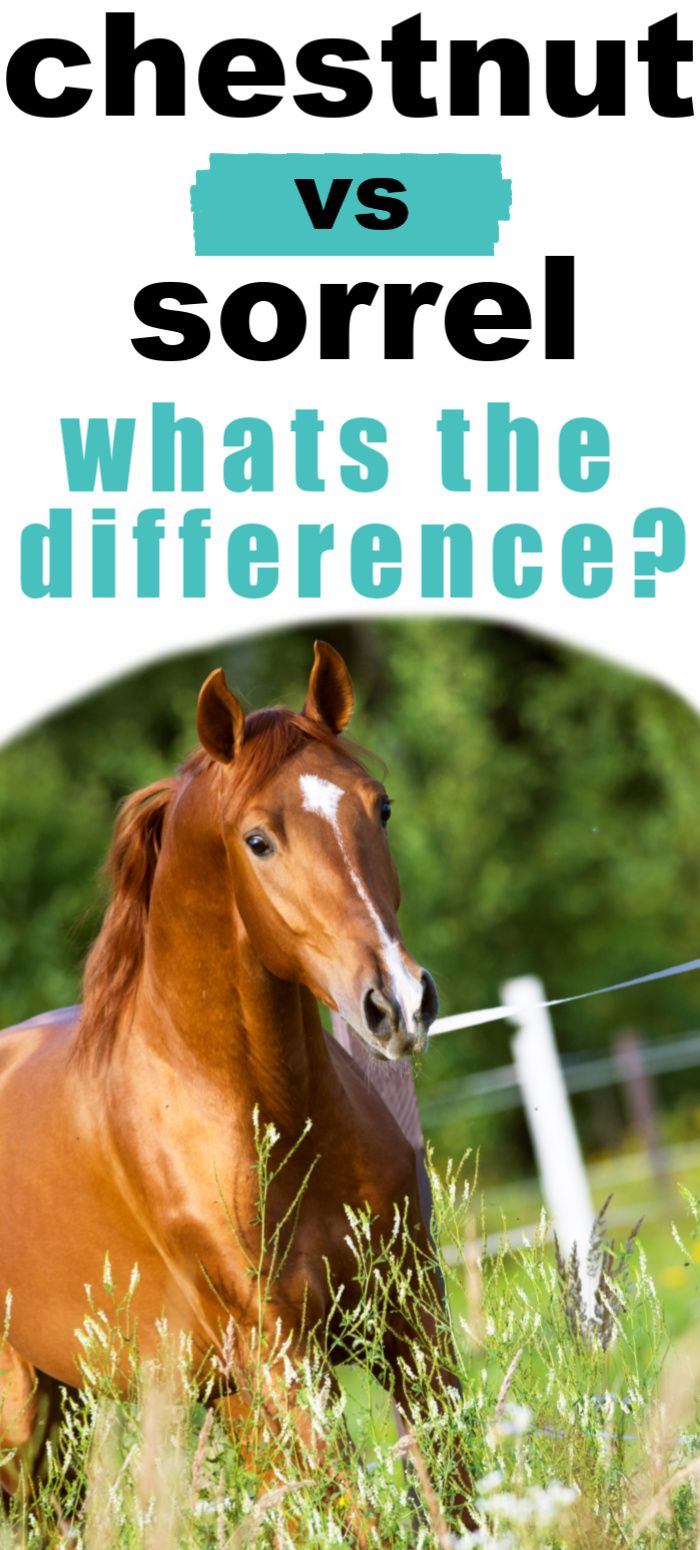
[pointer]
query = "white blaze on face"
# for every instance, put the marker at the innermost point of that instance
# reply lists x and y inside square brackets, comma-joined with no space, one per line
[323,798]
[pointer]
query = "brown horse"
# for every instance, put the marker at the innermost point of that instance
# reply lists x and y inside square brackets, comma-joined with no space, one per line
[254,884]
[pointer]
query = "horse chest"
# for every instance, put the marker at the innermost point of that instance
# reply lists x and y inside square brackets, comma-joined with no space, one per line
[231,1231]
[342,1207]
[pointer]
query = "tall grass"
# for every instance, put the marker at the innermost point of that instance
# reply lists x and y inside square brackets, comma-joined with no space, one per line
[578,1421]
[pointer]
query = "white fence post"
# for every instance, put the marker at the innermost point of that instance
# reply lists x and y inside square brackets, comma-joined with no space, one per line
[546,1102]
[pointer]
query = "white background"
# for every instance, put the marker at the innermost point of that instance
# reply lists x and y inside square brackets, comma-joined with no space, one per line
[96,209]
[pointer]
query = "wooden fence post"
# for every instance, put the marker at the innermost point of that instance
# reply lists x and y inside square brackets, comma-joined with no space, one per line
[639,1093]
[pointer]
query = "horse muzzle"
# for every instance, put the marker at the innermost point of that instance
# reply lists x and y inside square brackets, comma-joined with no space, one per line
[396,1029]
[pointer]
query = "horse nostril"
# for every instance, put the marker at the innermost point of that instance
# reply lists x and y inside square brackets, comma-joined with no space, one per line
[429,1002]
[379,1014]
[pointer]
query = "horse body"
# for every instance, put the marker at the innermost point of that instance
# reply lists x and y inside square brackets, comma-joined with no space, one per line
[253,884]
[63,1208]
[161,1174]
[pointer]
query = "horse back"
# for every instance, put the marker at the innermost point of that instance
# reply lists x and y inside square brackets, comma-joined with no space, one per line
[21,1037]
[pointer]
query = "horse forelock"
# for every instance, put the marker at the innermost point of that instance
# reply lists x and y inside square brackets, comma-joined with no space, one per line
[270,738]
[112,968]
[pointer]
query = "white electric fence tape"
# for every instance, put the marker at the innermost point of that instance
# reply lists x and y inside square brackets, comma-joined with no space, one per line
[496,1014]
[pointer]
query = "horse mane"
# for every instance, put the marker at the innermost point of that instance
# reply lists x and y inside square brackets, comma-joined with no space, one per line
[115,959]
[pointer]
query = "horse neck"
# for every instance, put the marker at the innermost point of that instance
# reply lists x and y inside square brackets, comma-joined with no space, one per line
[204,997]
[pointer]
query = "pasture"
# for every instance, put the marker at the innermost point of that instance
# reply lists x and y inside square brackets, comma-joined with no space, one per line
[581,1431]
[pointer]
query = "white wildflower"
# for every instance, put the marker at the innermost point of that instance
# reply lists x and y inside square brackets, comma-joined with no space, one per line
[490,1482]
[515,1420]
[679,1241]
[107,1279]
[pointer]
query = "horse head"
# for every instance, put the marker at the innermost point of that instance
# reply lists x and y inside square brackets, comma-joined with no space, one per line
[304,827]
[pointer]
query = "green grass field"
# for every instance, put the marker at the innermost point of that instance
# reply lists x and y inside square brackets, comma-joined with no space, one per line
[579,1425]
[637,1196]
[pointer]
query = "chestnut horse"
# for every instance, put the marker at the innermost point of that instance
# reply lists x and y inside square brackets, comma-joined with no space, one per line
[246,889]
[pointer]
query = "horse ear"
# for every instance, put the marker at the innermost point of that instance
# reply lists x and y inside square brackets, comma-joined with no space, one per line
[330,696]
[220,719]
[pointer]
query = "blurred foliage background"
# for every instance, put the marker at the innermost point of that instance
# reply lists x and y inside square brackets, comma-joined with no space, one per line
[545,821]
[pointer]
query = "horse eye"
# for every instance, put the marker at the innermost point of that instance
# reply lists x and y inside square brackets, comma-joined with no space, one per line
[259,845]
[385,811]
